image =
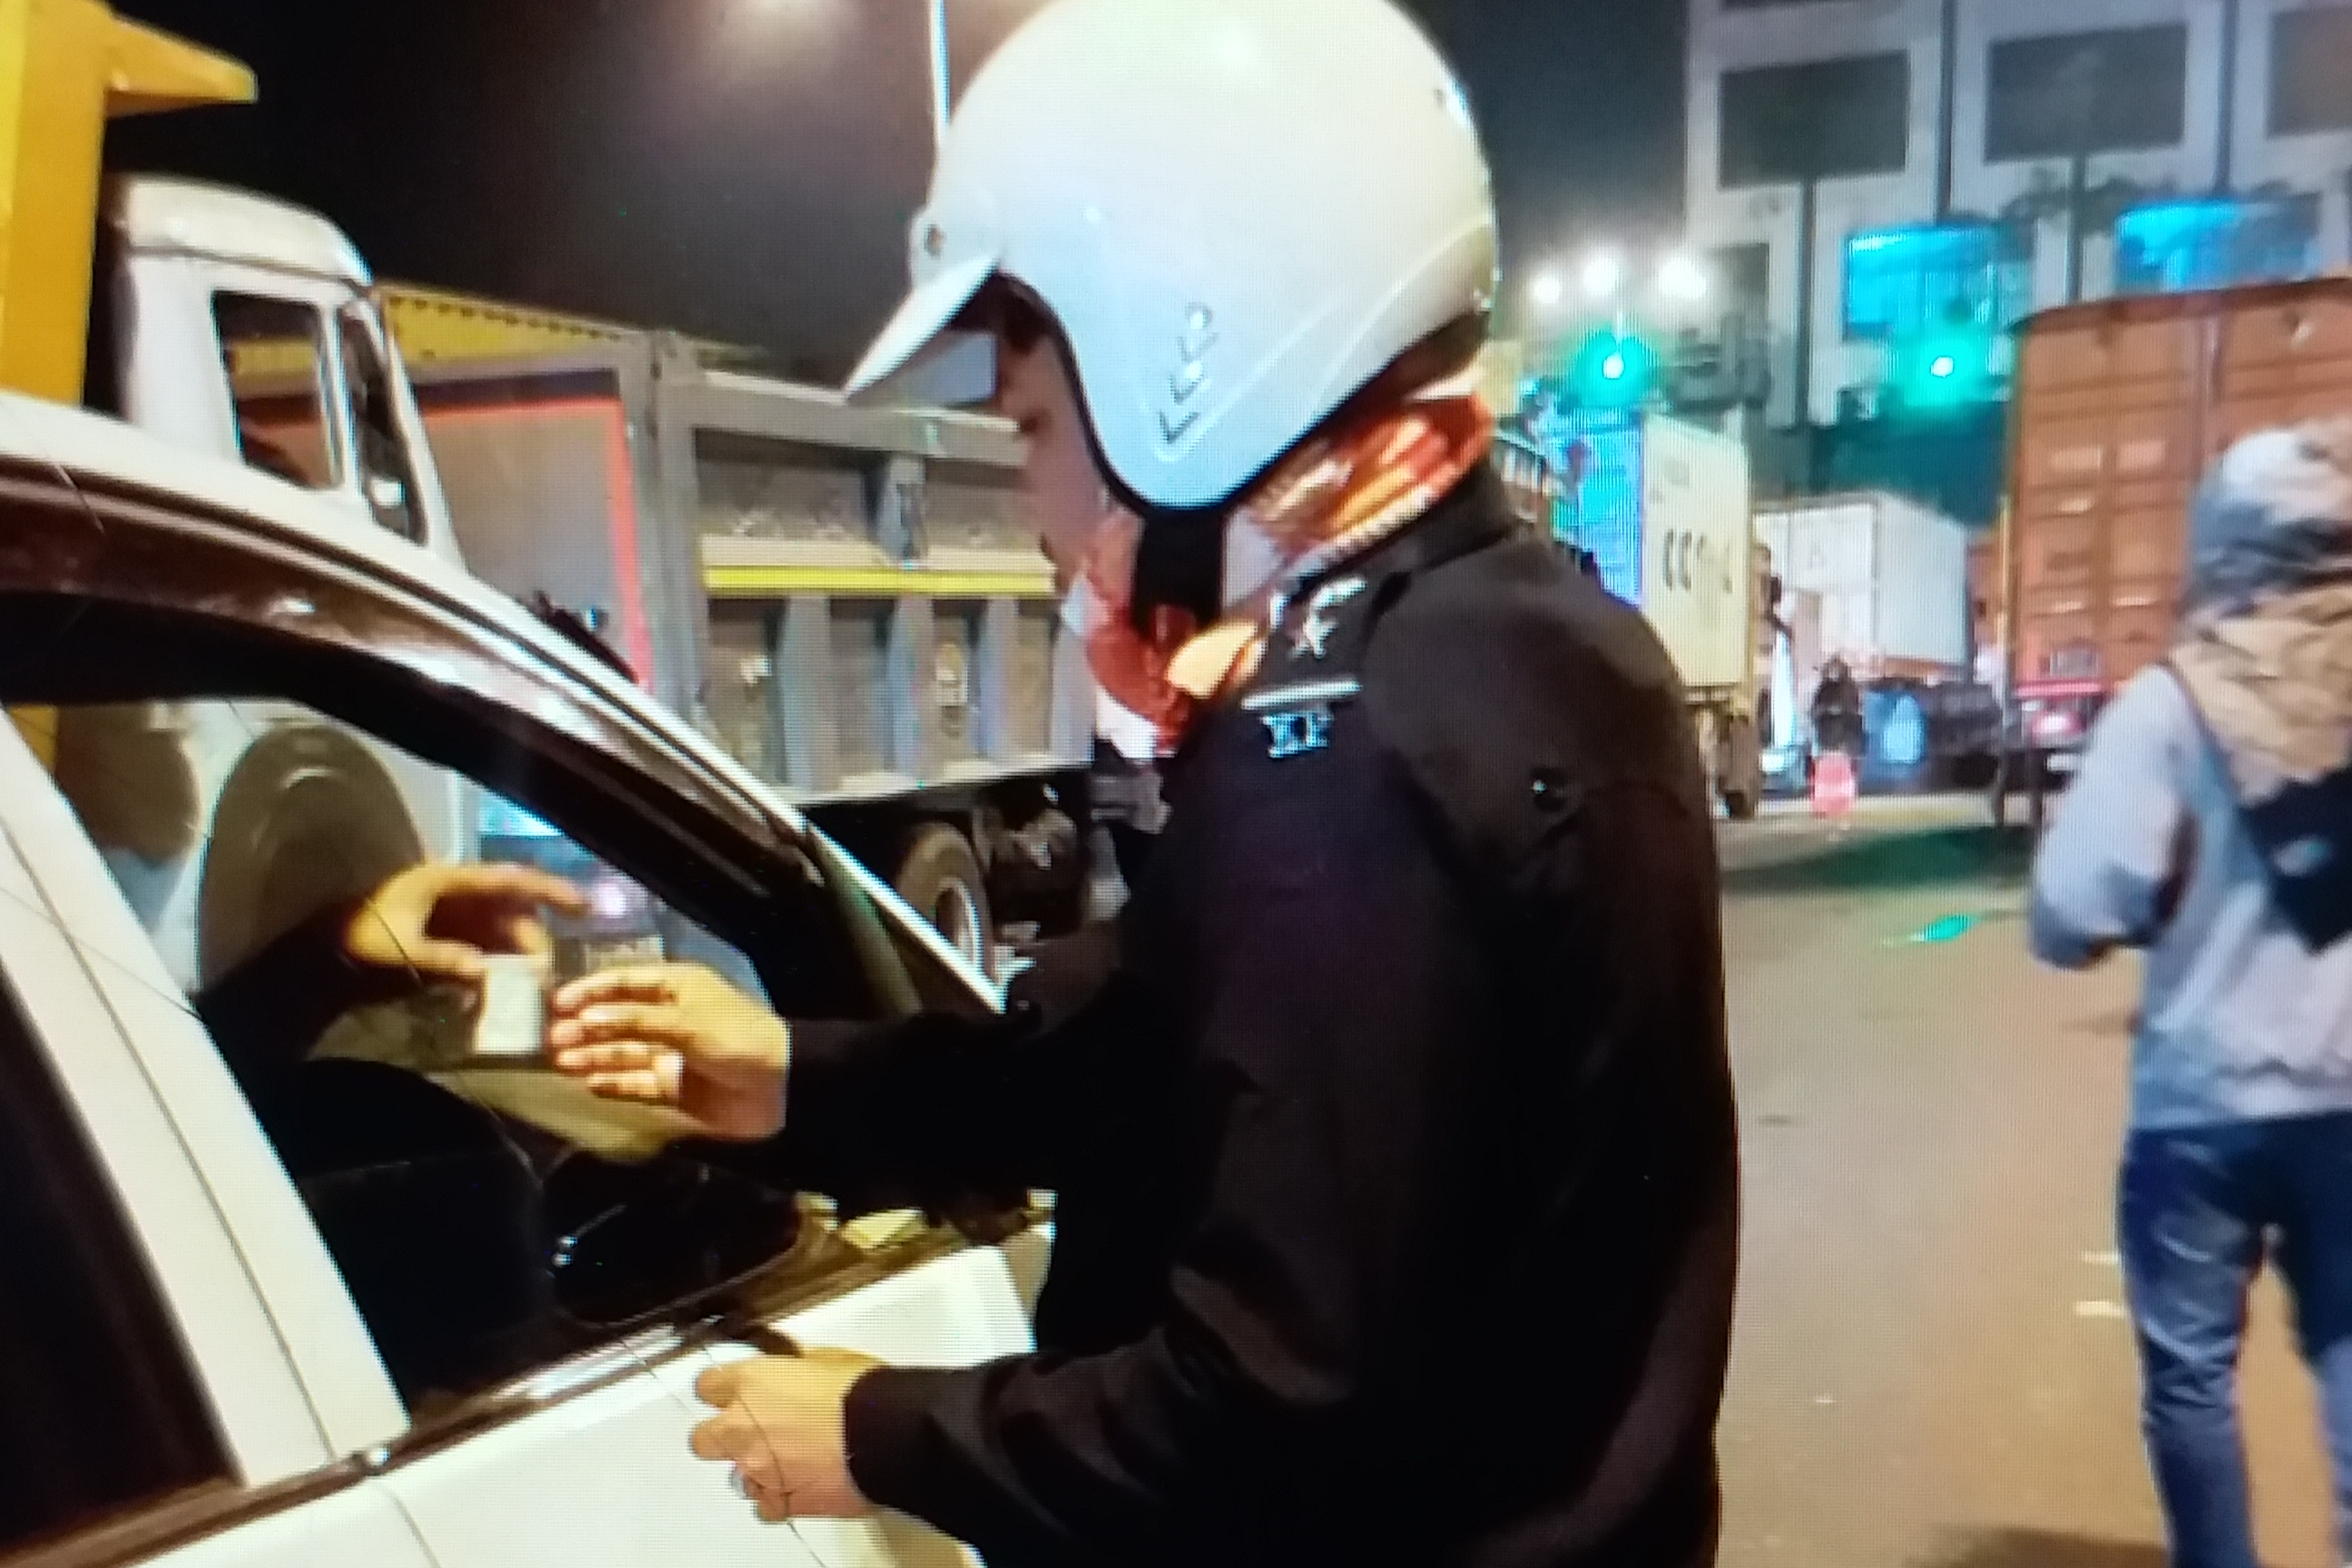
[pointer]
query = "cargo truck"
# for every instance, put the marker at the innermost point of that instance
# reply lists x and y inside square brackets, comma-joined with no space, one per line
[149,851]
[851,600]
[1883,582]
[234,327]
[1661,510]
[240,327]
[2121,407]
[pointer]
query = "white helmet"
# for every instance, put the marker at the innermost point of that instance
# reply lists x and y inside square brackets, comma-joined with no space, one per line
[1237,212]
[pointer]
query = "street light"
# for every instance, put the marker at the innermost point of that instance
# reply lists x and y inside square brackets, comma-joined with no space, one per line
[1545,290]
[1682,280]
[1605,275]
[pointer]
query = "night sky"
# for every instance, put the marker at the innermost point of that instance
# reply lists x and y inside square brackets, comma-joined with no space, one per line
[745,169]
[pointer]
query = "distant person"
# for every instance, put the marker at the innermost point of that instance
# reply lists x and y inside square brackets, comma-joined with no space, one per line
[1837,709]
[2211,826]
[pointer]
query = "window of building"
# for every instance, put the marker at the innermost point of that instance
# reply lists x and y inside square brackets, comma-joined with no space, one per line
[2179,245]
[2310,88]
[99,1413]
[1906,282]
[274,351]
[1815,120]
[2088,92]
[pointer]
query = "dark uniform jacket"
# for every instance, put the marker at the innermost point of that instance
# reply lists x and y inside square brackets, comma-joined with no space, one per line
[1395,1155]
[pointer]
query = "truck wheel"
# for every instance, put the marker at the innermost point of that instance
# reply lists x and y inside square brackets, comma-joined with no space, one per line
[939,877]
[308,819]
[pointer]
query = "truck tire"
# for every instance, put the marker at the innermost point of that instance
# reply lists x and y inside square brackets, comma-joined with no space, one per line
[308,818]
[940,878]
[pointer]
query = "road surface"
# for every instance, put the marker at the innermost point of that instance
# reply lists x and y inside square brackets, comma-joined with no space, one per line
[1931,1368]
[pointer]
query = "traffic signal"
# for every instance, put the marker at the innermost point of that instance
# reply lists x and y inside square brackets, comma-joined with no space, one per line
[1949,369]
[1613,370]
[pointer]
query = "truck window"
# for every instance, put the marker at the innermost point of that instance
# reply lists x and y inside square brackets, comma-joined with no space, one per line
[385,480]
[99,1414]
[275,353]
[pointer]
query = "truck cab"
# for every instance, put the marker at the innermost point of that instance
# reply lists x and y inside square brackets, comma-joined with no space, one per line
[220,321]
[241,327]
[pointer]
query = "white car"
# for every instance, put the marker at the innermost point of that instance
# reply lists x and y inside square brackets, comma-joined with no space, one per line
[347,1297]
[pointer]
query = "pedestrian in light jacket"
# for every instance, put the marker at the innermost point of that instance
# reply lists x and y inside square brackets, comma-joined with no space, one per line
[2211,827]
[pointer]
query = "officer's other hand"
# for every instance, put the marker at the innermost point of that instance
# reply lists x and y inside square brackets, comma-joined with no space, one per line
[676,1035]
[441,921]
[781,1425]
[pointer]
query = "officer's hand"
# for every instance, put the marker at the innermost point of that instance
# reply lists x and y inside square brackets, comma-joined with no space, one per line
[440,920]
[780,1422]
[676,1035]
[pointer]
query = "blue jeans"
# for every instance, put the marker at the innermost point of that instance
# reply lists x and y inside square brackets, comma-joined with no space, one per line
[2198,1212]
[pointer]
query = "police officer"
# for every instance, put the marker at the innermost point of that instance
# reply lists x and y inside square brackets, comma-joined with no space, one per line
[1395,1152]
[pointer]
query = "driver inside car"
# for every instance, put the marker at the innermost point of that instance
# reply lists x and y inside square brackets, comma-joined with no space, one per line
[333,1030]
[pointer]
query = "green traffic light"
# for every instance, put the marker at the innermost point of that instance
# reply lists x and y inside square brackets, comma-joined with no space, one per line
[1613,371]
[1949,369]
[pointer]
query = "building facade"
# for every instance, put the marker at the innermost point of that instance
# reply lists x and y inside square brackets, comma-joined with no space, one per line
[1889,184]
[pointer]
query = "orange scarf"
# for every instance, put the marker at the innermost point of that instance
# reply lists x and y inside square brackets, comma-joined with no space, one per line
[1326,504]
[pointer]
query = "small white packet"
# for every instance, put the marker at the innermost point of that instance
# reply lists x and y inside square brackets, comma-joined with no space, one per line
[511,1025]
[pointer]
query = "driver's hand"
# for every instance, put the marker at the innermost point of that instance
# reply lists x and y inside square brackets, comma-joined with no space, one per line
[440,922]
[676,1035]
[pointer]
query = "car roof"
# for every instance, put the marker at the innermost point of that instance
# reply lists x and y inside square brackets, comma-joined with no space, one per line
[93,448]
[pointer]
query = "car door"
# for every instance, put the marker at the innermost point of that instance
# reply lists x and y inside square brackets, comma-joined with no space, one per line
[148,1410]
[402,1208]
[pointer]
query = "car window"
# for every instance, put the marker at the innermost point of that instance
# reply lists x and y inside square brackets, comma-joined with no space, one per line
[386,480]
[275,353]
[488,1215]
[253,738]
[99,1412]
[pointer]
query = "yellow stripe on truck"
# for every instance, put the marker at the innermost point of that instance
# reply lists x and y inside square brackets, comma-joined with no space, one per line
[872,583]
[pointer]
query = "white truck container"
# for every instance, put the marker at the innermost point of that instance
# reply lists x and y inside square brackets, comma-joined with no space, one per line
[1884,584]
[1664,509]
[1891,576]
